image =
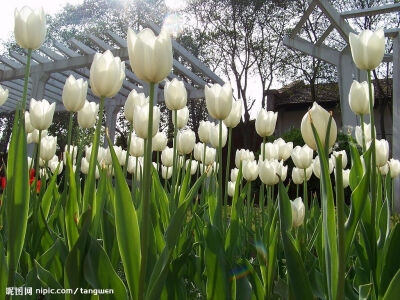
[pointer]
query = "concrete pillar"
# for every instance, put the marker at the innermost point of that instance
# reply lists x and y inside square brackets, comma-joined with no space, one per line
[396,116]
[111,112]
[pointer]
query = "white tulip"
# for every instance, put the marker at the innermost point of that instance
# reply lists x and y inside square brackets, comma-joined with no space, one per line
[29,27]
[231,188]
[214,135]
[302,156]
[48,147]
[175,95]
[54,164]
[268,171]
[3,95]
[136,148]
[209,157]
[344,158]
[198,151]
[271,151]
[131,168]
[134,98]
[382,152]
[167,157]
[73,152]
[166,172]
[74,93]
[150,56]
[359,97]
[233,119]
[84,166]
[88,114]
[394,165]
[281,170]
[367,134]
[219,100]
[242,155]
[384,169]
[346,178]
[119,153]
[250,170]
[298,212]
[367,48]
[234,174]
[298,174]
[106,74]
[182,117]
[160,141]
[317,166]
[266,122]
[285,149]
[28,126]
[41,113]
[204,131]
[193,166]
[141,119]
[33,137]
[186,140]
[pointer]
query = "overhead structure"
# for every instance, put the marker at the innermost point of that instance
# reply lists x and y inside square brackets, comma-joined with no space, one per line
[51,67]
[347,71]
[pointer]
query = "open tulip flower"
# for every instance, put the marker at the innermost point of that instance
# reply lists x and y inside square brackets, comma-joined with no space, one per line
[41,114]
[88,114]
[134,98]
[160,141]
[219,100]
[302,156]
[266,122]
[29,27]
[141,118]
[214,135]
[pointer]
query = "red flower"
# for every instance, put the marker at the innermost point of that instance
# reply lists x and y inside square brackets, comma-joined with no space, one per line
[3,182]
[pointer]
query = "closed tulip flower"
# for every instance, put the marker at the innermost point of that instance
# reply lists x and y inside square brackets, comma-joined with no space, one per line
[166,172]
[367,48]
[209,156]
[193,166]
[394,165]
[73,152]
[285,149]
[346,177]
[198,151]
[384,169]
[298,174]
[242,155]
[88,114]
[231,188]
[204,131]
[320,118]
[175,95]
[53,165]
[160,141]
[74,94]
[33,137]
[121,155]
[266,122]
[271,151]
[250,170]
[317,166]
[84,166]
[298,212]
[214,135]
[48,147]
[367,134]
[302,156]
[186,140]
[150,56]
[268,171]
[101,154]
[344,158]
[182,117]
[234,174]
[359,97]
[132,166]
[167,157]
[29,27]
[141,119]
[219,100]
[106,74]
[134,98]
[28,126]
[136,148]
[3,95]
[41,113]
[382,152]
[281,170]
[235,115]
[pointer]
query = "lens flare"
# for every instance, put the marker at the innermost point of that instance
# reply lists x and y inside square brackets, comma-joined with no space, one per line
[173,24]
[239,272]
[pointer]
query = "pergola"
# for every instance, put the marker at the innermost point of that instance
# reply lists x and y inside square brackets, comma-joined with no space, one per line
[51,67]
[342,59]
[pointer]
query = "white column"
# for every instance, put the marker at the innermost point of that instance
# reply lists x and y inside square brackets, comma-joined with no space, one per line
[396,116]
[111,111]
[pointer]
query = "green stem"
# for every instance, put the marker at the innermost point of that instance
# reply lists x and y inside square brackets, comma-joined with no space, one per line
[128,149]
[174,157]
[71,115]
[363,133]
[341,233]
[225,203]
[37,162]
[146,208]
[218,213]
[26,80]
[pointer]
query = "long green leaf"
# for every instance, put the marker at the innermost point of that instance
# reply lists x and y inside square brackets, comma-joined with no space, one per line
[393,290]
[71,209]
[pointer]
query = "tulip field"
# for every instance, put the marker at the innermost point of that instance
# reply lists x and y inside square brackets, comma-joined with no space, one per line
[159,222]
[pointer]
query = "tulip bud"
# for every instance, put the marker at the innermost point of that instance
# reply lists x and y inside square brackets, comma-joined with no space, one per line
[234,174]
[214,135]
[298,211]
[29,27]
[367,134]
[136,148]
[266,122]
[74,93]
[166,172]
[285,149]
[3,95]
[382,152]
[41,113]
[242,155]
[233,119]
[394,165]
[209,156]
[106,74]
[134,98]
[271,151]
[28,126]
[175,95]
[48,147]
[204,131]
[88,114]
[320,118]
[167,157]
[317,166]
[302,156]
[231,188]
[359,97]
[198,151]
[141,119]
[219,100]
[268,171]
[150,56]
[250,170]
[160,141]
[186,140]
[182,117]
[193,166]
[344,158]
[367,48]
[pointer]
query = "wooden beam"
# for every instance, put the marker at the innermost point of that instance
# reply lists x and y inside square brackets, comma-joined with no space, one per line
[303,19]
[371,11]
[325,35]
